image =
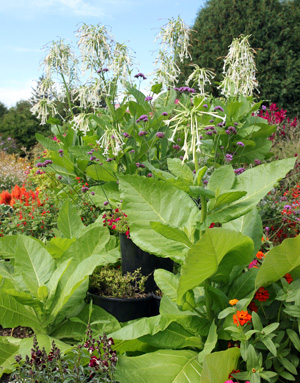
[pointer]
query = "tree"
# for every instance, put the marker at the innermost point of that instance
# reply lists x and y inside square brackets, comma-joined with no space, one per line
[20,124]
[3,110]
[275,36]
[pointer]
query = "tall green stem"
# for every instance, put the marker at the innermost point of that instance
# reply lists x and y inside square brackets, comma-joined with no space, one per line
[68,94]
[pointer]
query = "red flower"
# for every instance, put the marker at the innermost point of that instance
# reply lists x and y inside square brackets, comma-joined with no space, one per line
[241,317]
[252,306]
[261,294]
[288,278]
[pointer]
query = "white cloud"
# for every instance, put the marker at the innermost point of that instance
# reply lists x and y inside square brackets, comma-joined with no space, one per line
[9,96]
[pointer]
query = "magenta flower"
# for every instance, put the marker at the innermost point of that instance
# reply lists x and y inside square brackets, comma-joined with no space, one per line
[148,98]
[160,134]
[141,75]
[143,133]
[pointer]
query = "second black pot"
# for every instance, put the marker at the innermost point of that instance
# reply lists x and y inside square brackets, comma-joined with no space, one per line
[125,309]
[133,258]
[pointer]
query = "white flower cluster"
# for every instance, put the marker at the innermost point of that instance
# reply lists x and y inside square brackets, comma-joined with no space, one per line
[111,141]
[174,40]
[239,69]
[201,77]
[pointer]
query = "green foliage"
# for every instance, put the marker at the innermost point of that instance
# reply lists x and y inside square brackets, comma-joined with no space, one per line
[273,26]
[21,125]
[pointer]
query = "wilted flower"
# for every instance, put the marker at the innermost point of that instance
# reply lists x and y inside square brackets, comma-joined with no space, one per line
[202,77]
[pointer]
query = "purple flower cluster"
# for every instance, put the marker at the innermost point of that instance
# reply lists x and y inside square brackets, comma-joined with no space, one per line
[176,147]
[138,165]
[141,75]
[149,175]
[61,152]
[160,134]
[231,130]
[220,124]
[84,189]
[142,133]
[257,162]
[228,157]
[102,70]
[239,171]
[218,108]
[210,130]
[186,89]
[92,158]
[143,117]
[43,164]
[164,114]
[148,98]
[241,144]
[126,135]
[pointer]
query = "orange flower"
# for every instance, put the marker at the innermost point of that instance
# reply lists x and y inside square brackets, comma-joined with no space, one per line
[233,302]
[260,255]
[241,318]
[288,278]
[5,197]
[261,294]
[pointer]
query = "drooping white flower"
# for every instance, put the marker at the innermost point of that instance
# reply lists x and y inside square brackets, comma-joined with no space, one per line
[111,141]
[201,77]
[44,108]
[59,59]
[81,123]
[239,69]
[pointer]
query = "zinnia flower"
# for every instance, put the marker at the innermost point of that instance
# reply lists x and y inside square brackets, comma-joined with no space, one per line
[241,317]
[261,294]
[233,302]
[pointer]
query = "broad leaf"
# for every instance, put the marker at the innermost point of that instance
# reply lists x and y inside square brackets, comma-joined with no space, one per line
[207,257]
[167,282]
[250,224]
[171,232]
[163,366]
[218,365]
[8,246]
[146,200]
[221,180]
[173,337]
[257,182]
[57,246]
[101,172]
[33,263]
[180,170]
[14,314]
[69,222]
[279,261]
[228,197]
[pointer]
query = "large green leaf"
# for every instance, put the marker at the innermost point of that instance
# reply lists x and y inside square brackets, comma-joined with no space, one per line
[69,222]
[86,253]
[244,285]
[33,263]
[173,337]
[167,282]
[250,224]
[146,200]
[163,366]
[8,246]
[101,172]
[221,180]
[279,260]
[215,253]
[107,192]
[100,322]
[57,246]
[180,170]
[14,314]
[171,232]
[218,365]
[257,182]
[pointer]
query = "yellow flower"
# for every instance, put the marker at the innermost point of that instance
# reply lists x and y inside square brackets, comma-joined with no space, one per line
[233,302]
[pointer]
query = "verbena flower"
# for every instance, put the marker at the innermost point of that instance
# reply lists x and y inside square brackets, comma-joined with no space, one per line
[138,75]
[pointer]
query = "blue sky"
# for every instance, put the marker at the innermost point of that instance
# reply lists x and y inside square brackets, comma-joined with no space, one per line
[27,25]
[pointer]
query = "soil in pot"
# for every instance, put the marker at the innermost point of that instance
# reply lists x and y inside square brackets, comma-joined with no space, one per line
[133,258]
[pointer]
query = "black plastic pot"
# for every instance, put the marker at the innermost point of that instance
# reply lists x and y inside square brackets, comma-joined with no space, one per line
[155,304]
[132,258]
[124,309]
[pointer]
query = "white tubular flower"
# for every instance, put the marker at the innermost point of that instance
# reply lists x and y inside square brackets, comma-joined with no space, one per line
[239,69]
[60,59]
[189,119]
[81,122]
[121,62]
[95,44]
[43,108]
[202,77]
[111,141]
[174,40]
[175,36]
